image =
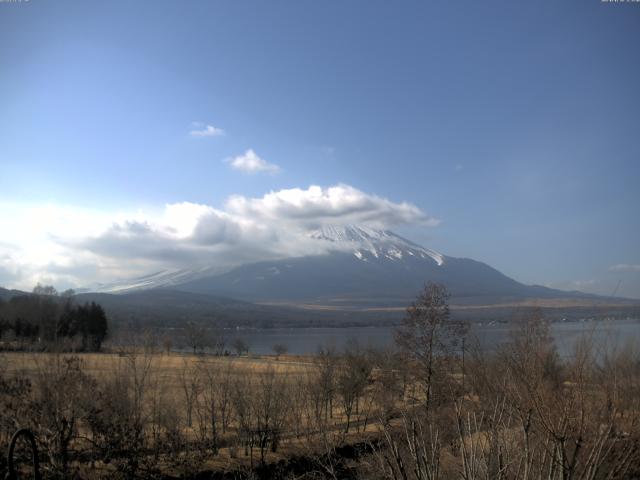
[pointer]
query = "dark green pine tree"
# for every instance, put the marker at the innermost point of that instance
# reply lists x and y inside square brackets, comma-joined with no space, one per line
[97,326]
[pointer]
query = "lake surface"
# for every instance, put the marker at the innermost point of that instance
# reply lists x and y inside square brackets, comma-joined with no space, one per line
[301,341]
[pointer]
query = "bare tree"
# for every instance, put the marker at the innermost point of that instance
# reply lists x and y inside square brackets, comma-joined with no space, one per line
[352,379]
[240,345]
[195,336]
[167,344]
[119,420]
[61,388]
[261,406]
[191,387]
[216,341]
[391,375]
[429,336]
[214,404]
[326,361]
[279,349]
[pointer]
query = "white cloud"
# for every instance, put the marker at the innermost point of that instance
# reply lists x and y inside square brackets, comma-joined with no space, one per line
[201,130]
[250,162]
[339,204]
[74,247]
[33,245]
[625,267]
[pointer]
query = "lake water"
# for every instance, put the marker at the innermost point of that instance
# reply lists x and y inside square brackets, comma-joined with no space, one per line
[302,341]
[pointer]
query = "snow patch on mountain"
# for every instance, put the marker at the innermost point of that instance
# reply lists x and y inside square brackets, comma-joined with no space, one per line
[161,279]
[367,242]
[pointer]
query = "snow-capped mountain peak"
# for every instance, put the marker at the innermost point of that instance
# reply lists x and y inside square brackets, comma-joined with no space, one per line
[367,243]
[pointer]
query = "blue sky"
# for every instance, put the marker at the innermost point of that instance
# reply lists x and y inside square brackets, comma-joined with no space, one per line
[514,124]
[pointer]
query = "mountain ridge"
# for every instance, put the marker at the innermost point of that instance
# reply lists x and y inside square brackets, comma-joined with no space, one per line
[360,266]
[364,265]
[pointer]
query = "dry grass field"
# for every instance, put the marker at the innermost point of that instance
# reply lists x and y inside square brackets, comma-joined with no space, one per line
[169,366]
[182,384]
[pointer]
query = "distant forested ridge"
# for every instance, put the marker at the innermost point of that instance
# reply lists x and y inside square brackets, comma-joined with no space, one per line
[45,318]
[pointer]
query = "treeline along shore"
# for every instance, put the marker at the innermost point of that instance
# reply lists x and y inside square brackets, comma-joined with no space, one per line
[45,320]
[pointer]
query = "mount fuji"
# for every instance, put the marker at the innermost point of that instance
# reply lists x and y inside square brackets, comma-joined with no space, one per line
[361,267]
[363,276]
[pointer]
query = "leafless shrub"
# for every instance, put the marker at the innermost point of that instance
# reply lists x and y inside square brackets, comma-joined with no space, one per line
[60,393]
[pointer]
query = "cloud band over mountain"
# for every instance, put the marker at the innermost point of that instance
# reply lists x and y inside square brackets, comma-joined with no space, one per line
[75,247]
